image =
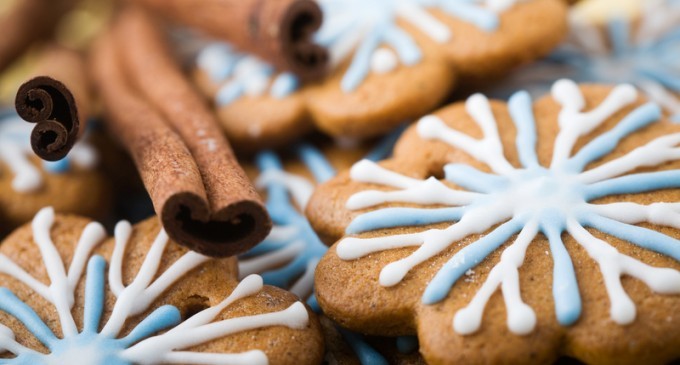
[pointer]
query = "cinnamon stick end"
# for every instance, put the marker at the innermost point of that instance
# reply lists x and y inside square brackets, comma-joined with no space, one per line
[304,57]
[50,104]
[231,231]
[49,140]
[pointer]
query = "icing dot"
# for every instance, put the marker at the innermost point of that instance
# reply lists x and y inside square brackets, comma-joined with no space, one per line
[383,61]
[57,167]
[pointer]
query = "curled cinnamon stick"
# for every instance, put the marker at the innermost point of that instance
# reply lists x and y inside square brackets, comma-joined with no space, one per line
[26,22]
[56,101]
[199,191]
[279,31]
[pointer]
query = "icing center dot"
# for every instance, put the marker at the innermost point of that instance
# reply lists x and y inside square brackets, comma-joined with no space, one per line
[534,192]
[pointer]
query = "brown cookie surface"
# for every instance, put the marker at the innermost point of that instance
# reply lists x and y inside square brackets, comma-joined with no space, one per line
[150,300]
[74,185]
[392,61]
[574,232]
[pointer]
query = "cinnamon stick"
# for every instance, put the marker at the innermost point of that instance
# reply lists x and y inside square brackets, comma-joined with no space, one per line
[279,31]
[199,191]
[56,101]
[26,22]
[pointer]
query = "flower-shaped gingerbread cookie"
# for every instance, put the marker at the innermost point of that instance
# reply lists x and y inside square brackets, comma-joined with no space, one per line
[643,51]
[392,60]
[27,184]
[68,295]
[515,232]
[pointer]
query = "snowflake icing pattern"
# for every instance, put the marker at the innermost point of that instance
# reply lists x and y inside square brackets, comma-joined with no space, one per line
[15,150]
[647,57]
[363,27]
[240,74]
[292,241]
[528,200]
[141,345]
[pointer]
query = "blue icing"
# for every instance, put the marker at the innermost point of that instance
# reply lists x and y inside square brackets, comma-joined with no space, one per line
[240,74]
[383,149]
[467,258]
[522,114]
[319,166]
[472,179]
[397,217]
[284,213]
[13,306]
[284,84]
[15,130]
[162,318]
[313,303]
[607,142]
[407,344]
[635,183]
[88,344]
[375,23]
[94,294]
[367,355]
[565,287]
[643,237]
[653,61]
[57,167]
[557,197]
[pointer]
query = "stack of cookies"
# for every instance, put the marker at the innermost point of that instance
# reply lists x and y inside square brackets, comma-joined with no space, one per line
[372,182]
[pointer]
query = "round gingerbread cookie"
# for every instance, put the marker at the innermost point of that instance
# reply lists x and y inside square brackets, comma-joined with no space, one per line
[514,232]
[72,185]
[70,295]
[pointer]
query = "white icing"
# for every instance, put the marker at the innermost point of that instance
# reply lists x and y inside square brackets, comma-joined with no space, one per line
[15,152]
[425,192]
[131,300]
[526,200]
[654,153]
[383,61]
[299,187]
[614,264]
[306,281]
[521,318]
[574,123]
[270,260]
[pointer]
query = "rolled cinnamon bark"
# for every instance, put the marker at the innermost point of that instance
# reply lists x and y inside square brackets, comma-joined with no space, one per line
[26,22]
[279,31]
[200,193]
[56,100]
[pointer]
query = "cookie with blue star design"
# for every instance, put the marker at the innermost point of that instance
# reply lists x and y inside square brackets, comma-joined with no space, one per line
[74,184]
[641,49]
[514,232]
[391,60]
[70,295]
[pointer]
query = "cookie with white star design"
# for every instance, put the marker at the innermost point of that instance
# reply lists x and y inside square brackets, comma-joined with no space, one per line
[287,257]
[70,295]
[514,232]
[74,184]
[391,60]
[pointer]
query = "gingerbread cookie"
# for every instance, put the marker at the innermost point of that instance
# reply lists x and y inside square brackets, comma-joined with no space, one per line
[72,296]
[391,61]
[568,205]
[72,185]
[642,50]
[288,257]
